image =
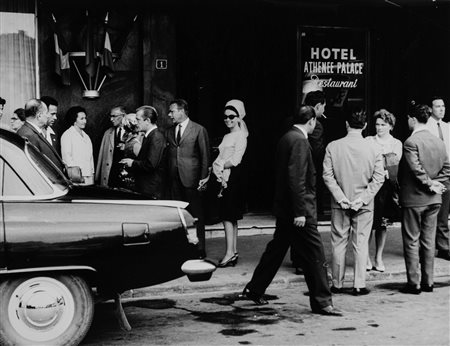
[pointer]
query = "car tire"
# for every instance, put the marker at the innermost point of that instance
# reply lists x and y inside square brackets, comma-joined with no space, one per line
[45,310]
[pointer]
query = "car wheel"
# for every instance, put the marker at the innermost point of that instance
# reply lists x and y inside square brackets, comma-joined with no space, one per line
[45,310]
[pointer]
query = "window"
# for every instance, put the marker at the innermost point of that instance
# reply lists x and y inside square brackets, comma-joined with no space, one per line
[17,54]
[12,184]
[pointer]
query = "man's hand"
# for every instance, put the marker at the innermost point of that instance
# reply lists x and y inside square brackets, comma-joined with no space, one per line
[300,221]
[127,162]
[357,204]
[344,203]
[437,187]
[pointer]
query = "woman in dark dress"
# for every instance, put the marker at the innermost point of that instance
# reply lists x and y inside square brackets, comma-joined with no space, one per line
[227,175]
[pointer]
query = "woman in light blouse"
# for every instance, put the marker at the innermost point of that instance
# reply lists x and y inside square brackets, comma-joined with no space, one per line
[76,146]
[227,173]
[385,207]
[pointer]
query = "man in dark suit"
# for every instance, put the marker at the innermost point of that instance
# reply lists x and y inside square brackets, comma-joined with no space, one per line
[317,100]
[37,116]
[296,219]
[148,168]
[49,133]
[189,161]
[424,169]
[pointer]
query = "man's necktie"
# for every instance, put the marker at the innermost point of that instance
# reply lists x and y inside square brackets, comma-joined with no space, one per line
[441,136]
[179,134]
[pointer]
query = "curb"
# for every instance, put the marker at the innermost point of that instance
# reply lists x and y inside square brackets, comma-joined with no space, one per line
[280,282]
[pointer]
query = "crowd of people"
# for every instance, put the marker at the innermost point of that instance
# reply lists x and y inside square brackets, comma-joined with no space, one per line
[372,180]
[135,154]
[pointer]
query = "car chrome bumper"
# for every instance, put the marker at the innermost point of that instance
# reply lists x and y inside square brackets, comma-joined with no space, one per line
[198,270]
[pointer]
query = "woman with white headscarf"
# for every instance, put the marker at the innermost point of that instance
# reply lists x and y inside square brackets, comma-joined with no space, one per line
[227,172]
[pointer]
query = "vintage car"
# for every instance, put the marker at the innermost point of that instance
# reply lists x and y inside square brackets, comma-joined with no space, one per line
[63,246]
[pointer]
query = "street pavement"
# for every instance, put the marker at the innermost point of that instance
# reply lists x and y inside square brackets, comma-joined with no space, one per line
[255,231]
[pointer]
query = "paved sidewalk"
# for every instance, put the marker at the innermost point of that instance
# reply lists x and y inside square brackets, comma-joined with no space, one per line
[255,231]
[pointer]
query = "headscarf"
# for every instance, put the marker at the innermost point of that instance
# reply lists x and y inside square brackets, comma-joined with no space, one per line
[237,106]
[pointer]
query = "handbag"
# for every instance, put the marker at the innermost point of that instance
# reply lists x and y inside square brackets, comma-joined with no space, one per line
[391,165]
[75,175]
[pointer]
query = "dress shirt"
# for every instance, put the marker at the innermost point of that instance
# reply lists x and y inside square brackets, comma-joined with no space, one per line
[183,127]
[432,125]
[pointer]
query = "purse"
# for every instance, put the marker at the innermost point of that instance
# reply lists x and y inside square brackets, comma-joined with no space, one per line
[75,175]
[391,165]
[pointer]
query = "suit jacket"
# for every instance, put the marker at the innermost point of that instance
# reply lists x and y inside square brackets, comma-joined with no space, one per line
[105,157]
[191,158]
[295,187]
[353,168]
[424,159]
[148,168]
[40,142]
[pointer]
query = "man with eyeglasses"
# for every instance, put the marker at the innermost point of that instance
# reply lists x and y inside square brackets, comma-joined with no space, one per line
[111,151]
[189,162]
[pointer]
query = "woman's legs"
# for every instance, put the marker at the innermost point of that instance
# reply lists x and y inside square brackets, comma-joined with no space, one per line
[380,241]
[229,239]
[231,232]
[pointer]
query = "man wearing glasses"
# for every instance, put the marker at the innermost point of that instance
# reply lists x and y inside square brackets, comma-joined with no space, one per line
[111,151]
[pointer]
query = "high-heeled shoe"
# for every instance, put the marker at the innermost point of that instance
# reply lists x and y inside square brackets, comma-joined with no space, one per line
[236,254]
[231,262]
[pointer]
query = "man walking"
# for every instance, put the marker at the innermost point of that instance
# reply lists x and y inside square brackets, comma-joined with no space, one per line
[296,219]
[111,151]
[424,169]
[189,161]
[148,168]
[37,116]
[317,100]
[441,129]
[353,172]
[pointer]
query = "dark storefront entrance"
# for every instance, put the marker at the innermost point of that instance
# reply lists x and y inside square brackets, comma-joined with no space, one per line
[248,49]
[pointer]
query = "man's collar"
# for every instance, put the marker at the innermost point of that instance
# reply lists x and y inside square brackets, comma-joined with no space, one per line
[184,123]
[420,127]
[302,129]
[34,126]
[150,130]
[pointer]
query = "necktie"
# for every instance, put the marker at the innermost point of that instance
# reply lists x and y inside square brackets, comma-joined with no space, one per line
[179,134]
[441,136]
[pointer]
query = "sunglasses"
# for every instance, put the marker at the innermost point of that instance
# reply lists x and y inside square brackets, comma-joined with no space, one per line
[231,116]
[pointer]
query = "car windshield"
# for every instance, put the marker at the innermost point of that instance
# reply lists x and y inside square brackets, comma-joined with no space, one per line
[55,176]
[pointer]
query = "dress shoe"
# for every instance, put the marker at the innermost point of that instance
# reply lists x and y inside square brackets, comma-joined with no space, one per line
[298,271]
[231,262]
[426,288]
[329,310]
[379,268]
[336,290]
[360,291]
[443,254]
[410,289]
[256,298]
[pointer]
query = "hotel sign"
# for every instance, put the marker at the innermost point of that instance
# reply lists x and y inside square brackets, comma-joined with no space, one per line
[333,60]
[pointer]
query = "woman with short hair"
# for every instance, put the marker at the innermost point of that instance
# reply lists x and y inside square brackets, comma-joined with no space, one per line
[76,146]
[386,200]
